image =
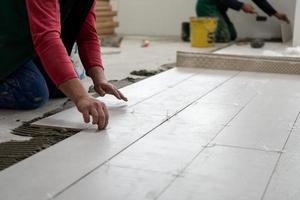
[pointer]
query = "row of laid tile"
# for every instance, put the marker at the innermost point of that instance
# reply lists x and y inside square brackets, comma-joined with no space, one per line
[153,165]
[168,150]
[54,169]
[136,93]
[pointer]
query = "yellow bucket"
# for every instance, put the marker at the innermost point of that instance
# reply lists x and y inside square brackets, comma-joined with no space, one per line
[203,31]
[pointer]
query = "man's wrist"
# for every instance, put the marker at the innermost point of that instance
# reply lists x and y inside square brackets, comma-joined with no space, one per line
[96,74]
[73,89]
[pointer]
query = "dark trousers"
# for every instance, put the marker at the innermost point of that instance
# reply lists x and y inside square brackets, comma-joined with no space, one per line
[26,88]
[225,30]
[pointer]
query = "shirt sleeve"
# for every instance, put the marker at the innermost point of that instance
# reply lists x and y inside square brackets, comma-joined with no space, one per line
[45,27]
[89,43]
[233,4]
[265,6]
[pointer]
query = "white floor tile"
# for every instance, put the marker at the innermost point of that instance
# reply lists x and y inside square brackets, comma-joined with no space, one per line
[224,173]
[114,183]
[285,181]
[136,93]
[173,145]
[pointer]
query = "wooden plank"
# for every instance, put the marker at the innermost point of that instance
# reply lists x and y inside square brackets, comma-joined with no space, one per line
[106,14]
[221,173]
[104,19]
[101,8]
[102,3]
[107,25]
[63,164]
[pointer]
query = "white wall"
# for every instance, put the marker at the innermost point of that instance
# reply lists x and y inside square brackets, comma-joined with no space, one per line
[296,41]
[153,17]
[164,17]
[248,27]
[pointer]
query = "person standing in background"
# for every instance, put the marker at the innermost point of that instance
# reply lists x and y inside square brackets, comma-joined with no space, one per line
[226,31]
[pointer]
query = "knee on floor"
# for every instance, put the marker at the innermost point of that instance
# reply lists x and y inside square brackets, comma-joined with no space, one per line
[36,99]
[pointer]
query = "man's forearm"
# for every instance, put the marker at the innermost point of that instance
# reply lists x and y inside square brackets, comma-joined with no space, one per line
[265,6]
[233,4]
[73,89]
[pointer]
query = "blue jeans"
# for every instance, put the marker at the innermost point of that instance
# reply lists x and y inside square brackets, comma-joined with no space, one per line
[25,88]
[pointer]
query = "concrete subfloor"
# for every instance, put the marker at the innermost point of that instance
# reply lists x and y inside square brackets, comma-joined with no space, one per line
[119,62]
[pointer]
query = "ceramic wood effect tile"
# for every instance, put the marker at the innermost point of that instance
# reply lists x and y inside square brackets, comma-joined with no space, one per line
[174,144]
[136,93]
[220,173]
[55,168]
[79,154]
[264,118]
[282,85]
[162,153]
[187,92]
[240,90]
[285,180]
[115,183]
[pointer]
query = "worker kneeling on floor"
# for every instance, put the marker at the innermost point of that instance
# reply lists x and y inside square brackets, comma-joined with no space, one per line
[218,8]
[36,39]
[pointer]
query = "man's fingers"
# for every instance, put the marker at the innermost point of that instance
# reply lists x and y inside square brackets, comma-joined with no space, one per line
[100,91]
[95,115]
[104,108]
[122,96]
[86,116]
[115,92]
[101,119]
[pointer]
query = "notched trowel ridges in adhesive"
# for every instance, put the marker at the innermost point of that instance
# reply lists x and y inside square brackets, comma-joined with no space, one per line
[283,65]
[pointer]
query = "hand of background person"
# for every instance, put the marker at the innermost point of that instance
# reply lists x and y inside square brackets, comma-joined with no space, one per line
[248,8]
[282,16]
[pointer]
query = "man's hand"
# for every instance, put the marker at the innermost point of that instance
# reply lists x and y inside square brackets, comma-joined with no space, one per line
[103,87]
[85,104]
[248,8]
[282,16]
[90,106]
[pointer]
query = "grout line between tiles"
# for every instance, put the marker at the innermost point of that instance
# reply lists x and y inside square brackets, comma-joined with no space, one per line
[135,141]
[246,148]
[209,142]
[279,158]
[139,169]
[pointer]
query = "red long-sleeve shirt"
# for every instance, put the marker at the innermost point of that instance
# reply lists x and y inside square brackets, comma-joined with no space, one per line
[45,27]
